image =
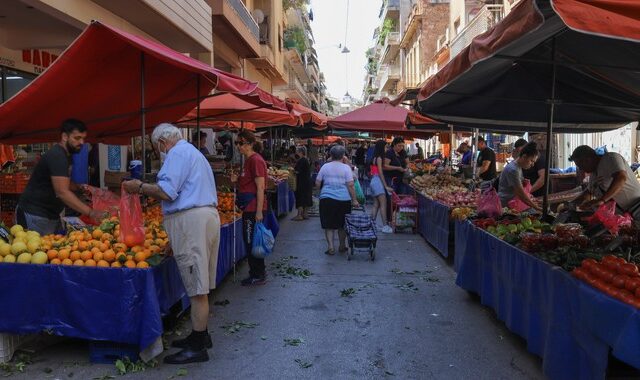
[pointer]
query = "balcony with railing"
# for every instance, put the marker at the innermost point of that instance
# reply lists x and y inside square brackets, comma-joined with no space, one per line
[484,20]
[389,76]
[412,23]
[391,47]
[388,7]
[232,21]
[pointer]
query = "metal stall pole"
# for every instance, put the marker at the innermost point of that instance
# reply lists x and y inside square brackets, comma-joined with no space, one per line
[198,110]
[142,118]
[474,143]
[552,103]
[451,146]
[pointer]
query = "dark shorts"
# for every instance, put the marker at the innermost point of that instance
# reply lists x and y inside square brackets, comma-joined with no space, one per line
[332,213]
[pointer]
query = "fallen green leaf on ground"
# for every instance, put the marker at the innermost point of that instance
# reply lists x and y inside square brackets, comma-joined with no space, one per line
[283,268]
[303,364]
[347,292]
[409,286]
[125,365]
[293,341]
[236,326]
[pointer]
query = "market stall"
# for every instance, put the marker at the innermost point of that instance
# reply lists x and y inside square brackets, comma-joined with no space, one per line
[442,198]
[568,323]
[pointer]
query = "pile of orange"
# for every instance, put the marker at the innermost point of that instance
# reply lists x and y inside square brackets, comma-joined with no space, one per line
[100,247]
[227,208]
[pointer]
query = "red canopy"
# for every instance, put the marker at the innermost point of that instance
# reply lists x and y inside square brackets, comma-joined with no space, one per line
[588,50]
[380,116]
[307,115]
[98,80]
[232,107]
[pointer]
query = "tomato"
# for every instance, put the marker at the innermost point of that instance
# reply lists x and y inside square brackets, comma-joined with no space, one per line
[619,280]
[632,283]
[612,265]
[607,275]
[636,302]
[591,280]
[637,292]
[626,296]
[579,273]
[588,264]
[629,269]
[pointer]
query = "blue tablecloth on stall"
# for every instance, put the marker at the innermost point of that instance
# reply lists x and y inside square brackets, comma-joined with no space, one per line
[120,305]
[292,200]
[282,196]
[433,223]
[566,322]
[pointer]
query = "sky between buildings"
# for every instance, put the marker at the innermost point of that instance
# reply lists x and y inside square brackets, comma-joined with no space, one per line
[344,71]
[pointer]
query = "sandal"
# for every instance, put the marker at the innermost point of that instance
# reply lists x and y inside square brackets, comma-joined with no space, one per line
[330,252]
[343,249]
[297,219]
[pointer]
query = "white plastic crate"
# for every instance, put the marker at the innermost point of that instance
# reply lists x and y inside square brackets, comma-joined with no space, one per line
[9,343]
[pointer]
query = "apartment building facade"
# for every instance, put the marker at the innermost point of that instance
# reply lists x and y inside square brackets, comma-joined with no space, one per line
[33,33]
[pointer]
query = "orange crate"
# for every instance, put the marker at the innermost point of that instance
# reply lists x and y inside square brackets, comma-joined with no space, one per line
[6,217]
[13,183]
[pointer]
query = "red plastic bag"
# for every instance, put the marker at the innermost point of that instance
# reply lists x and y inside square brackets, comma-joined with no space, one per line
[516,203]
[104,200]
[489,204]
[131,220]
[606,215]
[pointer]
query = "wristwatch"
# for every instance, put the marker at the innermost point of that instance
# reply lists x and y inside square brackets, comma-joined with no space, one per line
[140,188]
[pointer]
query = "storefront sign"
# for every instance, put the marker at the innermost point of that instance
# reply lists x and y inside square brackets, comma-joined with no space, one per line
[33,61]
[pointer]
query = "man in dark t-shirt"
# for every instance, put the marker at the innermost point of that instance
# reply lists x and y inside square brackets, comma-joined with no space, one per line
[486,161]
[50,189]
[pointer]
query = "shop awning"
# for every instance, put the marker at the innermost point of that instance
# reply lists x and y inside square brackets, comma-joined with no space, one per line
[380,116]
[307,115]
[503,79]
[98,79]
[232,107]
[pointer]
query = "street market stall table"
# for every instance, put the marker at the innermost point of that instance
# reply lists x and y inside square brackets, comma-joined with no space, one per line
[101,304]
[434,224]
[280,198]
[566,322]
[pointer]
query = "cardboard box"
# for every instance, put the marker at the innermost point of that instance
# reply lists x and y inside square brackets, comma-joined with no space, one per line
[113,180]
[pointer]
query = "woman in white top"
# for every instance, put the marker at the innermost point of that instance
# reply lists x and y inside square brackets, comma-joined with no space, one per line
[337,195]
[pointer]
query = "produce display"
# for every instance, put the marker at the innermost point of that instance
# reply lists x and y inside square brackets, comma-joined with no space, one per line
[612,275]
[278,174]
[227,208]
[447,189]
[98,246]
[462,213]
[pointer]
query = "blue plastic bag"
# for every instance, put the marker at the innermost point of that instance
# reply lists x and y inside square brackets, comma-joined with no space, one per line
[263,241]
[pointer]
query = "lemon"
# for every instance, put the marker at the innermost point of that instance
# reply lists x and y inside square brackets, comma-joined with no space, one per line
[9,259]
[18,247]
[24,258]
[15,229]
[5,249]
[39,258]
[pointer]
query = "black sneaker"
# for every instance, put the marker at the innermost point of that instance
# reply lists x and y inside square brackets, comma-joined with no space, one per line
[184,342]
[253,281]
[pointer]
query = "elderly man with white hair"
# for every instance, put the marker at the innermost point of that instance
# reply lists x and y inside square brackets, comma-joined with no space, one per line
[187,190]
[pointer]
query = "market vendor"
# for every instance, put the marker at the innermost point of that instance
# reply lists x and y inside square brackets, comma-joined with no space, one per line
[486,161]
[187,190]
[201,144]
[534,174]
[610,177]
[394,165]
[50,188]
[510,185]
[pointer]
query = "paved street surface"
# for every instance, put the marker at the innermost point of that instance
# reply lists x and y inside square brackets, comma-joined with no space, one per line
[400,317]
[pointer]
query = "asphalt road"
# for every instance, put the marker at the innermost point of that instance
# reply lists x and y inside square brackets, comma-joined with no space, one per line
[399,317]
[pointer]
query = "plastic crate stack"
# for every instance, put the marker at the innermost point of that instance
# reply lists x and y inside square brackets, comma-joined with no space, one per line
[11,185]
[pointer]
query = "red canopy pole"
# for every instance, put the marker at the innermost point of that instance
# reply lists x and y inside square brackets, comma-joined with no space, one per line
[552,103]
[143,116]
[198,110]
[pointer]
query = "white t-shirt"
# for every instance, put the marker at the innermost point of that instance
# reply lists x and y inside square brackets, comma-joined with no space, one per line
[601,180]
[335,176]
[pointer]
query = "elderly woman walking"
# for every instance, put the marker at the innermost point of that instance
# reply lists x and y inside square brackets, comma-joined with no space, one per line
[304,187]
[337,195]
[187,189]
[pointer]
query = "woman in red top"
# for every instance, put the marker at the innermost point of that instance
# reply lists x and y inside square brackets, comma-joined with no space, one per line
[251,200]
